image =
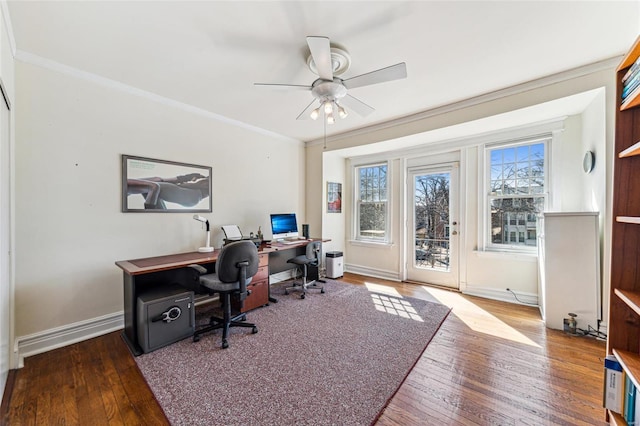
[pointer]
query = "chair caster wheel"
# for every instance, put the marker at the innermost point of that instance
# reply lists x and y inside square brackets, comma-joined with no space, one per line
[196,339]
[302,296]
[225,344]
[322,291]
[286,292]
[254,330]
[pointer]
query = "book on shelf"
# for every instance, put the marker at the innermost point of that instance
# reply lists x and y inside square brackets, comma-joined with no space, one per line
[631,94]
[628,88]
[636,420]
[632,70]
[629,401]
[614,394]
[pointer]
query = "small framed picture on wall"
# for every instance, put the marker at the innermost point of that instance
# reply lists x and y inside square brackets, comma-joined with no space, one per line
[334,197]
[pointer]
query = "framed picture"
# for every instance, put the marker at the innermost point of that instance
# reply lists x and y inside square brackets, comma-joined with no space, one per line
[160,186]
[334,197]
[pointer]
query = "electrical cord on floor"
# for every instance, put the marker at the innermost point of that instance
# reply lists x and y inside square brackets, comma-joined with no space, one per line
[520,301]
[590,331]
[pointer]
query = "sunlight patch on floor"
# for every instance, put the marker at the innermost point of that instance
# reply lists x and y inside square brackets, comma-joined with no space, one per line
[387,299]
[383,289]
[477,318]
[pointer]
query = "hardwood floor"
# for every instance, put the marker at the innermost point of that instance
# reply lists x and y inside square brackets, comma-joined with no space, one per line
[93,382]
[491,363]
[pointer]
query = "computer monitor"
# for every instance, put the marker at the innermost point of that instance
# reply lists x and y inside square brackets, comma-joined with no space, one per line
[284,225]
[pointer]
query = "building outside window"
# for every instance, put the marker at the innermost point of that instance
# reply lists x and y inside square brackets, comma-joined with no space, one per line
[517,193]
[371,203]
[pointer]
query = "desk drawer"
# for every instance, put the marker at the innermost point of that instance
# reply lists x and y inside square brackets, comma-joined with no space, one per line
[264,259]
[259,295]
[262,274]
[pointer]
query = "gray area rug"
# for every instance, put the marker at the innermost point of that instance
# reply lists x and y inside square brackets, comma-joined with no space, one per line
[330,359]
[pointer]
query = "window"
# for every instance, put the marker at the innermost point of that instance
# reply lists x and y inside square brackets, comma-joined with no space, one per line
[371,203]
[517,193]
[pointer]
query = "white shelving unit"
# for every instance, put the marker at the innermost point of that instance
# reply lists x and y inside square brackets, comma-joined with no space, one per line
[570,269]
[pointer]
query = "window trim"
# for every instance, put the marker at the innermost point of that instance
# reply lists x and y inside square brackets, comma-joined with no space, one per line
[485,174]
[356,203]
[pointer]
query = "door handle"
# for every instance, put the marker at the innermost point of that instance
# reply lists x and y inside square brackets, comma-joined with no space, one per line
[454,233]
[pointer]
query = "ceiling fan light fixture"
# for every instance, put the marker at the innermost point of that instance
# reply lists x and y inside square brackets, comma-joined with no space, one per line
[330,119]
[329,90]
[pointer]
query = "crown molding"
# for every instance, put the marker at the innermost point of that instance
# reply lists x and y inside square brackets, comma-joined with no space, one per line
[571,74]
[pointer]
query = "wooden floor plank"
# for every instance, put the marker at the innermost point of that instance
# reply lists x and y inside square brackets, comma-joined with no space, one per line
[490,363]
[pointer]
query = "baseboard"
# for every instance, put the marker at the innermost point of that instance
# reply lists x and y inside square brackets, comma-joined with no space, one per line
[372,272]
[520,298]
[282,276]
[58,337]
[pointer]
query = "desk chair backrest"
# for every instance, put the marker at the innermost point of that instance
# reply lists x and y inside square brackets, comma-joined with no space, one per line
[314,251]
[236,265]
[238,262]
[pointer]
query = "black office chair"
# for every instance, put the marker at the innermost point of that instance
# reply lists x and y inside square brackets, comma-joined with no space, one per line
[311,259]
[235,267]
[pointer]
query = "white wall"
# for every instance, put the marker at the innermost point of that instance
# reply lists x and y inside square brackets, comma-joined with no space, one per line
[478,272]
[598,195]
[376,259]
[70,134]
[333,224]
[6,170]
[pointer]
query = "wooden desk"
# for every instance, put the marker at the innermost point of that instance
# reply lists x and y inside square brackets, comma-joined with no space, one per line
[141,275]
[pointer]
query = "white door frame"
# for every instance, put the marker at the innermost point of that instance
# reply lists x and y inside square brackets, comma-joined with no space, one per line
[6,241]
[439,158]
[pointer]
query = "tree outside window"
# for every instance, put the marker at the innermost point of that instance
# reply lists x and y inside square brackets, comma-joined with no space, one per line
[431,204]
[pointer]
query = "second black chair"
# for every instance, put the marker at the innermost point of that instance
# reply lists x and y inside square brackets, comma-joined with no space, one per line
[311,259]
[235,267]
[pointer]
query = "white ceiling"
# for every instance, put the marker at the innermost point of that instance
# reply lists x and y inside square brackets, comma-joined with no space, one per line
[208,54]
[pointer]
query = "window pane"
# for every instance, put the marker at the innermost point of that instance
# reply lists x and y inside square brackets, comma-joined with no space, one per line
[521,169]
[372,202]
[508,220]
[523,153]
[509,155]
[372,220]
[509,187]
[496,172]
[517,193]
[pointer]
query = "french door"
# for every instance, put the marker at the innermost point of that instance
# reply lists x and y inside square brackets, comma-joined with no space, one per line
[432,225]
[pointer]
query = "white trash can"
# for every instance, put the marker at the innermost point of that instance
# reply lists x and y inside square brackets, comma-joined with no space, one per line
[334,264]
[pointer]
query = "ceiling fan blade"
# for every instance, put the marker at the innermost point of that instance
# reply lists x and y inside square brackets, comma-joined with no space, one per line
[356,105]
[393,72]
[282,86]
[321,52]
[305,114]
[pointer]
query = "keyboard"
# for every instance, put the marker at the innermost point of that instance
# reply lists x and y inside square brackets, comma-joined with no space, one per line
[287,242]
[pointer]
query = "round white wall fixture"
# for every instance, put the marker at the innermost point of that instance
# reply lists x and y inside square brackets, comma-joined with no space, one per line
[588,162]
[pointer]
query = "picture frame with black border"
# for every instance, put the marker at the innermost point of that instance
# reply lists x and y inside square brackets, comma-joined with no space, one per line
[151,185]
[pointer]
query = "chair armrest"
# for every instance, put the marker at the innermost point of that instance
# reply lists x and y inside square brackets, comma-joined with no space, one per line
[198,268]
[191,279]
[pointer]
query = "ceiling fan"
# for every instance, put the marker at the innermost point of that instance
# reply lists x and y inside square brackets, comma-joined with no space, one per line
[329,91]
